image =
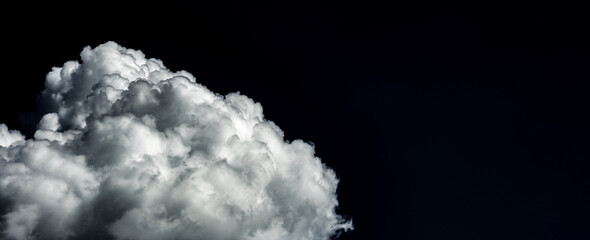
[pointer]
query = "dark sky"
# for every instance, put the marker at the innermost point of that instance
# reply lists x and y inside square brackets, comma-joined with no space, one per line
[442,120]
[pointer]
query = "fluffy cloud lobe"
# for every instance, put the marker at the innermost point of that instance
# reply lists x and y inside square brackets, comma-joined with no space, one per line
[131,150]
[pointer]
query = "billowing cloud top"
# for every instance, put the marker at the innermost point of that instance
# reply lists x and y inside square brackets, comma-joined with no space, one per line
[132,150]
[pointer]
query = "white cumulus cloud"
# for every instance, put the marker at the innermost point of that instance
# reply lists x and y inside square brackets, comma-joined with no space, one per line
[132,150]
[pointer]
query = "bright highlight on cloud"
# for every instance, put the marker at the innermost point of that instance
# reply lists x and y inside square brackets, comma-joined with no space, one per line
[132,150]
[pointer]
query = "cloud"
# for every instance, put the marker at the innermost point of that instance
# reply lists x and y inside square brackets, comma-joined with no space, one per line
[132,150]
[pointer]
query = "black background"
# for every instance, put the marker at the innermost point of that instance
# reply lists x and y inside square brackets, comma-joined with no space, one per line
[442,120]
